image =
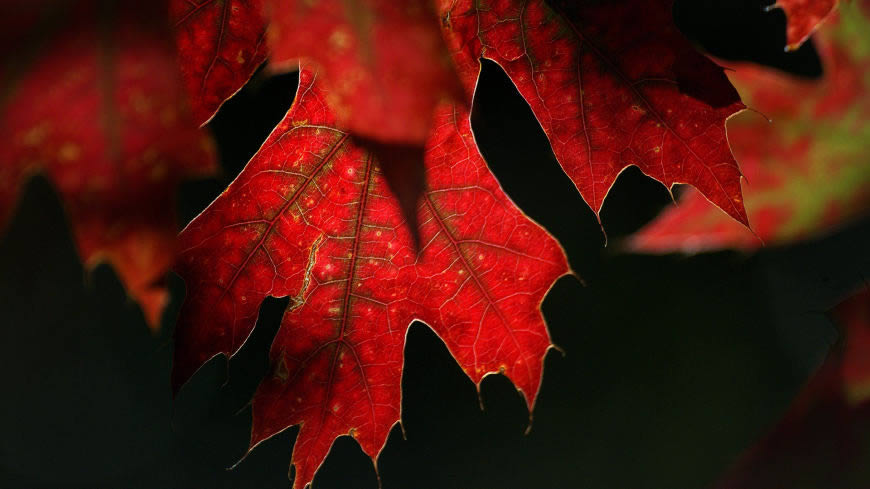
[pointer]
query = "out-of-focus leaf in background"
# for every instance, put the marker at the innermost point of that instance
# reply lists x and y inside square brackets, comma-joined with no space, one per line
[90,96]
[824,439]
[807,169]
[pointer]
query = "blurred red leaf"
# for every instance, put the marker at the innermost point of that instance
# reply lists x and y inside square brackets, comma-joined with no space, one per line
[221,43]
[383,61]
[93,101]
[823,441]
[808,170]
[803,17]
[311,218]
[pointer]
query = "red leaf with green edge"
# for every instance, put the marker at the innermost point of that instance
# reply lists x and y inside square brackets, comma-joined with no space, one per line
[220,43]
[384,61]
[824,438]
[803,17]
[96,106]
[613,84]
[808,170]
[311,217]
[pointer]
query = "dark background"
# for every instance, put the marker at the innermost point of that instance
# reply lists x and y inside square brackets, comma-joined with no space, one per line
[673,365]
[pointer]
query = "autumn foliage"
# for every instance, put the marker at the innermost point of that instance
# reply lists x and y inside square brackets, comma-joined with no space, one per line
[370,205]
[816,131]
[95,103]
[311,216]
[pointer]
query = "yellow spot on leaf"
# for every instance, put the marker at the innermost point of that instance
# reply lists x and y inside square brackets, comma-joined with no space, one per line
[168,116]
[339,39]
[69,152]
[159,172]
[36,135]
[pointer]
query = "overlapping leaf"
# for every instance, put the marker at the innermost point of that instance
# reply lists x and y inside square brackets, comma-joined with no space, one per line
[803,17]
[613,84]
[383,61]
[809,169]
[221,44]
[94,103]
[311,217]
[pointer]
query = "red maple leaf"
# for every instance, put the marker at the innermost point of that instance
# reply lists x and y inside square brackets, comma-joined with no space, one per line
[383,61]
[95,104]
[613,84]
[807,168]
[310,217]
[222,42]
[803,17]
